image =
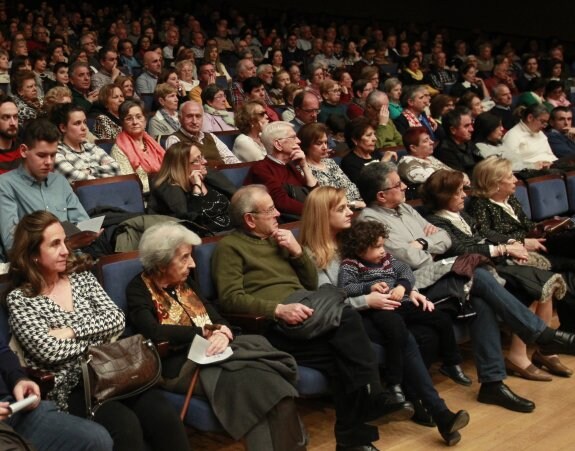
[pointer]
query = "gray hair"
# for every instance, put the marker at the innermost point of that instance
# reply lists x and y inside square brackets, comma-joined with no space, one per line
[374,98]
[409,93]
[160,242]
[189,103]
[261,68]
[373,179]
[272,132]
[497,90]
[243,201]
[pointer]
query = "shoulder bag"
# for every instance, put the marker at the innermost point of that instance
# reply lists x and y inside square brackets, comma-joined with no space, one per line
[119,370]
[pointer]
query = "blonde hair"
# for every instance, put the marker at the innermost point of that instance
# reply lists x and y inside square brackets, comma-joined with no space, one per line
[487,174]
[174,169]
[315,233]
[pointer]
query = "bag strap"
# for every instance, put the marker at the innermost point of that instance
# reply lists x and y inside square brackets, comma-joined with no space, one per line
[193,383]
[87,387]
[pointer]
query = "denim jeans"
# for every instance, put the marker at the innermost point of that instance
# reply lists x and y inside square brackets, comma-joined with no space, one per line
[492,301]
[48,429]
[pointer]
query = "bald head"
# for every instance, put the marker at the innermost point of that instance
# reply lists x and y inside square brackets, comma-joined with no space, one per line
[153,63]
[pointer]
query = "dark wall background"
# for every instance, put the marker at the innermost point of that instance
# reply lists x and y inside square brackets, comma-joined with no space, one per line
[524,18]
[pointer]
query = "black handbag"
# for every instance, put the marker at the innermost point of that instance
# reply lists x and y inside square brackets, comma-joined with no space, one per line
[448,294]
[119,370]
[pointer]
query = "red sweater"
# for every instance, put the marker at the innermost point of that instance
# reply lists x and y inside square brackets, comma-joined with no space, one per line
[274,176]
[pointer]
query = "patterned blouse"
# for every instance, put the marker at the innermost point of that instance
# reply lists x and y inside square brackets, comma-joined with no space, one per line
[91,163]
[106,128]
[95,320]
[27,111]
[334,176]
[493,220]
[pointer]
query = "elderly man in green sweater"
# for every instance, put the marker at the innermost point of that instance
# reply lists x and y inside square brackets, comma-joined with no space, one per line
[262,269]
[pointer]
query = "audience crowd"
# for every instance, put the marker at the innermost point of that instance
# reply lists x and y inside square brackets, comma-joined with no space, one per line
[339,124]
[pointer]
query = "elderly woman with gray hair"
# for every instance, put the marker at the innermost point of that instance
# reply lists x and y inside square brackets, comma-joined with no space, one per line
[165,304]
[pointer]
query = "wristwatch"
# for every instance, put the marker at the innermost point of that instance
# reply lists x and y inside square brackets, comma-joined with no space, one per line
[424,243]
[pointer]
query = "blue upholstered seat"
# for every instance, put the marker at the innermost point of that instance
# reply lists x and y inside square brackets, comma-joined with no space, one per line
[548,196]
[123,191]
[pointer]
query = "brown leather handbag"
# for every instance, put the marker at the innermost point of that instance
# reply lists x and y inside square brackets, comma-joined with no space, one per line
[119,370]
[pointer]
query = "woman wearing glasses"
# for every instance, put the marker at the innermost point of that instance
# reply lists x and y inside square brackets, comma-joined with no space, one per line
[216,117]
[183,188]
[331,94]
[135,150]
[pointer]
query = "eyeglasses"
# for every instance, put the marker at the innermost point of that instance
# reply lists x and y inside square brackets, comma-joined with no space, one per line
[267,212]
[260,113]
[136,118]
[397,185]
[199,160]
[293,137]
[334,91]
[310,110]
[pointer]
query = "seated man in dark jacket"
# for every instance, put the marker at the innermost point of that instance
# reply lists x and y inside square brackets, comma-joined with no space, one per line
[561,134]
[456,150]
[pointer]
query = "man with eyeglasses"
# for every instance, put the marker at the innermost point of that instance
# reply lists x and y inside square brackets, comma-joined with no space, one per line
[306,107]
[284,170]
[418,243]
[261,269]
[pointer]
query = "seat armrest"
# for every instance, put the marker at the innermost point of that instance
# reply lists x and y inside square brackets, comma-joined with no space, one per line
[44,379]
[249,323]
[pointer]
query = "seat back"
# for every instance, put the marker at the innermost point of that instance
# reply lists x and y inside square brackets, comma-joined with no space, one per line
[115,273]
[228,137]
[548,196]
[105,144]
[123,191]
[570,184]
[236,173]
[523,197]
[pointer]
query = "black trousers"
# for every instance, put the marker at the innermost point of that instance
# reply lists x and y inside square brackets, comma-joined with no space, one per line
[346,357]
[145,421]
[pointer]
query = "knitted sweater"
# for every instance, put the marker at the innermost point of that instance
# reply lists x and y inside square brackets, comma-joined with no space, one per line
[356,277]
[254,275]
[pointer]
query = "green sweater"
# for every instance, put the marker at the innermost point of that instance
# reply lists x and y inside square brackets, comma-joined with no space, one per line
[388,136]
[254,275]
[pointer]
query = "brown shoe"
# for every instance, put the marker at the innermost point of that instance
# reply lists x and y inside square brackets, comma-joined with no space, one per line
[551,363]
[531,373]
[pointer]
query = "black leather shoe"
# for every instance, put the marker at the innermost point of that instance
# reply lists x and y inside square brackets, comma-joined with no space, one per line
[456,374]
[448,423]
[383,408]
[421,416]
[501,395]
[396,393]
[562,343]
[369,447]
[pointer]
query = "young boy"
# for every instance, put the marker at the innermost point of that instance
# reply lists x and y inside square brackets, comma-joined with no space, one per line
[367,267]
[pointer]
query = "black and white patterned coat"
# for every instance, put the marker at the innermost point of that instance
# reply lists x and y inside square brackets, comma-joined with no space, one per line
[95,320]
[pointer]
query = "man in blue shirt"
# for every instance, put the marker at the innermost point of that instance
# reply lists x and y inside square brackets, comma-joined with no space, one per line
[42,424]
[33,186]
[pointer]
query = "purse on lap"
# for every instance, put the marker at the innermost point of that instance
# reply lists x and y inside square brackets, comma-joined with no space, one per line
[119,370]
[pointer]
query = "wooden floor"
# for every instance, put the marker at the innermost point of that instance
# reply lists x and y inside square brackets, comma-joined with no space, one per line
[550,427]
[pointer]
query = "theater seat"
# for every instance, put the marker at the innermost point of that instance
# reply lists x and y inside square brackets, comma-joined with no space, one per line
[122,191]
[548,196]
[114,273]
